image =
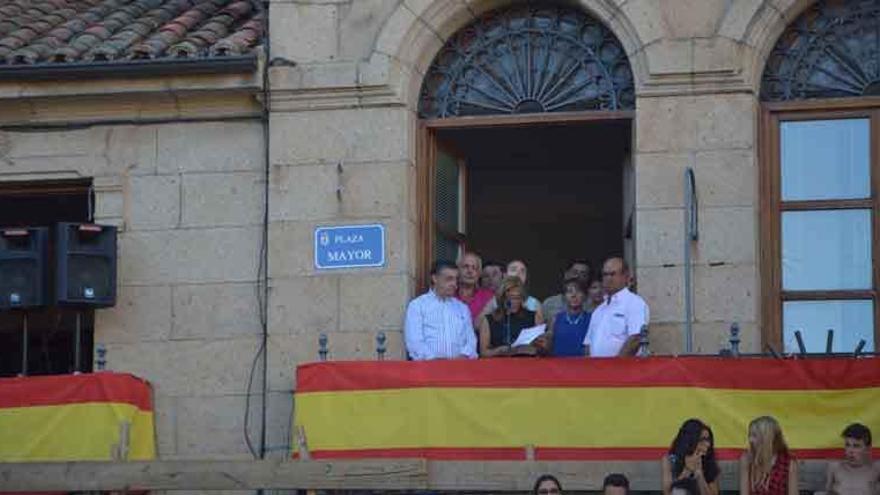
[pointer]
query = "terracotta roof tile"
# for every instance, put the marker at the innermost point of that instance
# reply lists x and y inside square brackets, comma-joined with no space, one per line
[83,31]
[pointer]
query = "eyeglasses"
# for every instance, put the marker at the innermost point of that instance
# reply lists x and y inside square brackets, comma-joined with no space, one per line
[548,491]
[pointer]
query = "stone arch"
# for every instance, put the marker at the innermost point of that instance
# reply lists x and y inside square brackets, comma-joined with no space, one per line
[759,32]
[417,31]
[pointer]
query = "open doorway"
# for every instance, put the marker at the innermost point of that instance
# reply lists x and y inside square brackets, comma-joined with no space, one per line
[544,193]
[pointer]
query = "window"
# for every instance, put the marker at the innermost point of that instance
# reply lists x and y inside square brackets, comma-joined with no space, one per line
[449,222]
[820,132]
[51,336]
[821,226]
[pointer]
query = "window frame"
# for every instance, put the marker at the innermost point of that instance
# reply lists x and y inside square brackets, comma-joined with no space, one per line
[771,207]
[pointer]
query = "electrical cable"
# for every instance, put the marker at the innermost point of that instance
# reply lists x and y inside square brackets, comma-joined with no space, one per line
[262,288]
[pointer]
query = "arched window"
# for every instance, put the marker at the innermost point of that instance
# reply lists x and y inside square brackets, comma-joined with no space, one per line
[821,131]
[831,50]
[528,59]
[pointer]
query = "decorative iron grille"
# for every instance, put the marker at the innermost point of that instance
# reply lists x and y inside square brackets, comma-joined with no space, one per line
[831,50]
[528,59]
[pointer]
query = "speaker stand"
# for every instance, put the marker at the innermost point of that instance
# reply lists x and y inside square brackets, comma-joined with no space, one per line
[24,344]
[77,345]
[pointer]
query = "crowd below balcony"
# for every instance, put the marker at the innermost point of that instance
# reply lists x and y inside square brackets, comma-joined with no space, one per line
[766,467]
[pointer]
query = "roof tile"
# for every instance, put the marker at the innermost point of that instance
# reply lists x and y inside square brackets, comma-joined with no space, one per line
[82,31]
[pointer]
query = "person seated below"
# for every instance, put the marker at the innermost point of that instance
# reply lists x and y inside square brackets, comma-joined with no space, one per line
[517,268]
[556,303]
[437,325]
[690,467]
[547,484]
[500,328]
[566,339]
[615,484]
[492,274]
[855,474]
[470,265]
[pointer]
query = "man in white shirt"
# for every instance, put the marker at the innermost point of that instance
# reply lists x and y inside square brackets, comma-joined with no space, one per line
[437,325]
[615,325]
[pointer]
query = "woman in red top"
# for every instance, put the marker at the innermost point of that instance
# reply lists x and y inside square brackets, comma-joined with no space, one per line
[767,467]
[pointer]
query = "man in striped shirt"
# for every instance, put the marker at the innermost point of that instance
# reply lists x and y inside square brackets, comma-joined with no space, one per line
[439,326]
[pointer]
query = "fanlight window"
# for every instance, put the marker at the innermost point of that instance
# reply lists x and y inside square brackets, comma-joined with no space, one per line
[831,50]
[528,59]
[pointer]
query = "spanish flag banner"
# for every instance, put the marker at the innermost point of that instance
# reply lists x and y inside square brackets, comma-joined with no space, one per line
[577,409]
[75,417]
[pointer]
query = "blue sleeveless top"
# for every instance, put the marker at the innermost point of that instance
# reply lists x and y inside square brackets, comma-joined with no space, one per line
[569,333]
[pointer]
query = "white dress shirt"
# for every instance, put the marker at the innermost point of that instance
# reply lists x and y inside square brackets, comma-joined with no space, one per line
[438,328]
[614,321]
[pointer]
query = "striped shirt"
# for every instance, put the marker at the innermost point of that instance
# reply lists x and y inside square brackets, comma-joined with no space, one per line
[438,328]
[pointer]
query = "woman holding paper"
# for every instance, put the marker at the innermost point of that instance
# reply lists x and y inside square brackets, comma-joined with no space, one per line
[500,329]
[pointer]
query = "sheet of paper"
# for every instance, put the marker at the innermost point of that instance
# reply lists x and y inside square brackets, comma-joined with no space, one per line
[527,335]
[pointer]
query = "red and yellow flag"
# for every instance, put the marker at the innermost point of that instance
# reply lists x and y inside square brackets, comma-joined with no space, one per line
[577,409]
[74,417]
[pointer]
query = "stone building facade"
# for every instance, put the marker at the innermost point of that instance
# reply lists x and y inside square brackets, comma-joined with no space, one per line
[330,134]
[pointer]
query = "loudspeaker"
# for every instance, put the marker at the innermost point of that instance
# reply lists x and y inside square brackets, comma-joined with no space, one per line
[85,270]
[23,267]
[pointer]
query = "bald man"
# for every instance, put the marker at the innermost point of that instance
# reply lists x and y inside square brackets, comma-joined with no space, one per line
[616,323]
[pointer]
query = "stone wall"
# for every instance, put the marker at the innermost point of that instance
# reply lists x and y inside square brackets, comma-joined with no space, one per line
[696,62]
[188,199]
[342,148]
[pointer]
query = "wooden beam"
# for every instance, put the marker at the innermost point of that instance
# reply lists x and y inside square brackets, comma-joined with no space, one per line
[387,475]
[213,475]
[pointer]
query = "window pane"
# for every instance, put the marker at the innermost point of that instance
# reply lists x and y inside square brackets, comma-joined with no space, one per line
[445,249]
[826,250]
[825,159]
[446,208]
[850,320]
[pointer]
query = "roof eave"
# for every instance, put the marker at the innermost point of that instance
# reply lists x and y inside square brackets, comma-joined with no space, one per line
[236,64]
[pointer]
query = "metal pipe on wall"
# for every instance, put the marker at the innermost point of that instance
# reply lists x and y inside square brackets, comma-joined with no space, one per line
[691,234]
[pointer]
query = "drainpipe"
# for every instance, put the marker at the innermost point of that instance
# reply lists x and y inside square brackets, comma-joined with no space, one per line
[691,234]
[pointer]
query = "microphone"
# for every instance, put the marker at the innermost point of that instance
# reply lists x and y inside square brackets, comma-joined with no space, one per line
[508,306]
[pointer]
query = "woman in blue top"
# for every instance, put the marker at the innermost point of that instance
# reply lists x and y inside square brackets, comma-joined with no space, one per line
[570,326]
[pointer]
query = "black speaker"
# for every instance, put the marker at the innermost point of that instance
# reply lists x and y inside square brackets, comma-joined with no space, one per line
[85,270]
[23,267]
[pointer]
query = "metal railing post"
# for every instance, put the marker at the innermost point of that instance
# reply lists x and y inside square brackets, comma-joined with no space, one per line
[380,346]
[734,339]
[322,347]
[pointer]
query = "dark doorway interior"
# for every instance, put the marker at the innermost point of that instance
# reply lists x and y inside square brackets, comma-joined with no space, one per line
[545,194]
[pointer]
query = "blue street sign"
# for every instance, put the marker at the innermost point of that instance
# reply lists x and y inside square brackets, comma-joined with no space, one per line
[349,246]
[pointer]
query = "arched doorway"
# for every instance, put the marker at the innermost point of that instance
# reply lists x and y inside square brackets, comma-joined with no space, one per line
[525,121]
[820,167]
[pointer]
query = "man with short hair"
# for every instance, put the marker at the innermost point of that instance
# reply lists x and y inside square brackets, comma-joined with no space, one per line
[615,484]
[555,304]
[437,325]
[615,325]
[470,266]
[856,474]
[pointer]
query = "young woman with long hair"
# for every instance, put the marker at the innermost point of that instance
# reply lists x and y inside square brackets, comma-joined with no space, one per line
[690,464]
[767,467]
